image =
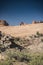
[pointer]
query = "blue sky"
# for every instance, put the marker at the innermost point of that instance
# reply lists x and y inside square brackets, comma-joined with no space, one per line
[16,11]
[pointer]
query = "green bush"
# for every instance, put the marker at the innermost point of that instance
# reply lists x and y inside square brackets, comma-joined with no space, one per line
[8,62]
[37,59]
[30,59]
[37,33]
[41,40]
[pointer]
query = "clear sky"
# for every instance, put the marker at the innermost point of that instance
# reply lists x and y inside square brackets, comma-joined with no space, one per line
[16,11]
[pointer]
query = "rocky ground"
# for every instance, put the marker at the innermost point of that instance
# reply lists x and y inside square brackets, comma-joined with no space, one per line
[21,51]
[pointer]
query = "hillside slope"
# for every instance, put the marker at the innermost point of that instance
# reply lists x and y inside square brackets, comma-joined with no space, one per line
[21,31]
[21,51]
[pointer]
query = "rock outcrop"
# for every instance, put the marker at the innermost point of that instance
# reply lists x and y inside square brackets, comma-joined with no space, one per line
[22,23]
[35,22]
[3,23]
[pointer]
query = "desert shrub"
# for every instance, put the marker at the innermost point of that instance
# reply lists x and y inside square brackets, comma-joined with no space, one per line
[41,40]
[8,62]
[35,36]
[17,39]
[37,59]
[30,59]
[36,62]
[30,36]
[37,33]
[41,35]
[19,56]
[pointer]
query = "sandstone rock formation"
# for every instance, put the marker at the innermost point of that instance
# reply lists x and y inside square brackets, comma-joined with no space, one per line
[35,22]
[3,23]
[22,23]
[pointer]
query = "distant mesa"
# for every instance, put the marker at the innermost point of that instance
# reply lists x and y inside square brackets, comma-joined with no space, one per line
[35,22]
[3,23]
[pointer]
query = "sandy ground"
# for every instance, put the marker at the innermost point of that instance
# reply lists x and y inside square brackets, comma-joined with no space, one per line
[21,31]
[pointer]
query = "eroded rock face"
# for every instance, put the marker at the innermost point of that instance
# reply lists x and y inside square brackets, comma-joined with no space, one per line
[3,23]
[35,22]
